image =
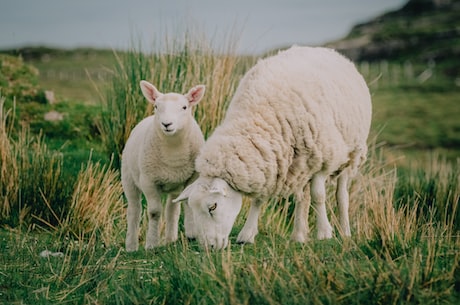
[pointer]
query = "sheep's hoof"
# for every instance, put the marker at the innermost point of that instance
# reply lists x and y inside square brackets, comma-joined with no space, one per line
[246,238]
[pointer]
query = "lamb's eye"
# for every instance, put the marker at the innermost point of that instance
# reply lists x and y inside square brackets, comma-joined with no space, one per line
[212,207]
[185,107]
[155,107]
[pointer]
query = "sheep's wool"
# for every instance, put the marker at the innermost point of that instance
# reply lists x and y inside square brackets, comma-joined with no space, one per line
[300,112]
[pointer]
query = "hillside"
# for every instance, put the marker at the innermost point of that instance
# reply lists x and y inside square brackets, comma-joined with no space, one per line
[421,31]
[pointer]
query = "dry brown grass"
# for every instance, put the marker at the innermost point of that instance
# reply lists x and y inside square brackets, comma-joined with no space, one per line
[96,209]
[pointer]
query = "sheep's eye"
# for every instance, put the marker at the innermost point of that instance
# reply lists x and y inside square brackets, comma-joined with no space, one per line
[185,107]
[155,107]
[212,207]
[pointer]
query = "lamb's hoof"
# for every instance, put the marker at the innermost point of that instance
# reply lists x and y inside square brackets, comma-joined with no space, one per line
[151,246]
[299,237]
[325,234]
[132,247]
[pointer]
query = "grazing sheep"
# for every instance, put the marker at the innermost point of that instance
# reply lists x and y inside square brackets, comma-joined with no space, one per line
[159,159]
[296,119]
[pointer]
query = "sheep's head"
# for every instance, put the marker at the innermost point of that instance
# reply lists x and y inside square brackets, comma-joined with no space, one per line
[172,110]
[214,205]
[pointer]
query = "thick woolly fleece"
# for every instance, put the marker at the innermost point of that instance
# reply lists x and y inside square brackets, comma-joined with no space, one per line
[304,111]
[167,163]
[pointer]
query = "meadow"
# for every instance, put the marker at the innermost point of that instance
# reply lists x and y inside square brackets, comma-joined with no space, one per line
[61,193]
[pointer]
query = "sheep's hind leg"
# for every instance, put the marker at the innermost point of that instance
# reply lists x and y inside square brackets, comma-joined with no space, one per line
[318,195]
[249,231]
[343,203]
[172,214]
[301,211]
[133,215]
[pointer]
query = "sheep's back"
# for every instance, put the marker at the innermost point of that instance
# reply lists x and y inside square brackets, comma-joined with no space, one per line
[303,111]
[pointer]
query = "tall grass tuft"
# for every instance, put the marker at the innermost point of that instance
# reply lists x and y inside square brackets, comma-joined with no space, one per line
[179,65]
[96,209]
[432,186]
[31,181]
[8,165]
[123,103]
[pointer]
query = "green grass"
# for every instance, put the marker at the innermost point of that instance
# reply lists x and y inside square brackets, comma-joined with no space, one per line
[423,269]
[405,245]
[411,117]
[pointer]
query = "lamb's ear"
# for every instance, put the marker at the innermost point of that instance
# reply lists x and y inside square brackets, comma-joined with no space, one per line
[195,94]
[219,186]
[150,92]
[185,193]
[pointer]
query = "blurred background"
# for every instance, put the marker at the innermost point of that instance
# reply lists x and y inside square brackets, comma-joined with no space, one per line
[63,51]
[261,25]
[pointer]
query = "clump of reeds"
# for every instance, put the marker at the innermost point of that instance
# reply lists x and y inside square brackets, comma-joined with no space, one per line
[96,208]
[179,65]
[8,164]
[30,175]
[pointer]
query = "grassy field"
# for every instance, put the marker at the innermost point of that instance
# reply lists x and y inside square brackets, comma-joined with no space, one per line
[61,193]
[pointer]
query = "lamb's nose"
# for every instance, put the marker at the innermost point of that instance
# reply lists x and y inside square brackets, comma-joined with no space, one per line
[166,125]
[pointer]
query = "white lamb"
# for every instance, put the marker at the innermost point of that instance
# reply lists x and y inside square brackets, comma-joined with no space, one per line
[158,158]
[296,119]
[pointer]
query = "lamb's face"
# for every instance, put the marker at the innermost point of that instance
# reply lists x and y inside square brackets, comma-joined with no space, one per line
[172,110]
[172,113]
[214,205]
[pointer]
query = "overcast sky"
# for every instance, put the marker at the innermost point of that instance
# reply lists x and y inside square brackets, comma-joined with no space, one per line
[260,25]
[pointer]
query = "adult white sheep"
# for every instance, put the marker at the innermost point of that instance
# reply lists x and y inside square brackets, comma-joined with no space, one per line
[159,158]
[296,119]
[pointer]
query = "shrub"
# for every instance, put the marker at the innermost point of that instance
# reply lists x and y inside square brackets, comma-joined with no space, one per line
[96,208]
[19,80]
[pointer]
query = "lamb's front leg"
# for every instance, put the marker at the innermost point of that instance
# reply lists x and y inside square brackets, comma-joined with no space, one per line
[250,230]
[189,222]
[154,210]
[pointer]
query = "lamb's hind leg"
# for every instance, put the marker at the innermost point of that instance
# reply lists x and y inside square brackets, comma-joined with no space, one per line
[189,222]
[250,230]
[318,195]
[133,215]
[343,203]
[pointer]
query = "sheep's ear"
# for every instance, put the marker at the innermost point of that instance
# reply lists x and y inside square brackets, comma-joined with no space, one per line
[185,193]
[219,186]
[150,92]
[195,94]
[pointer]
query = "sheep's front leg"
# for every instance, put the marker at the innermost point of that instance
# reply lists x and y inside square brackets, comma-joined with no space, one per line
[172,214]
[318,196]
[189,222]
[250,230]
[343,203]
[301,211]
[154,210]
